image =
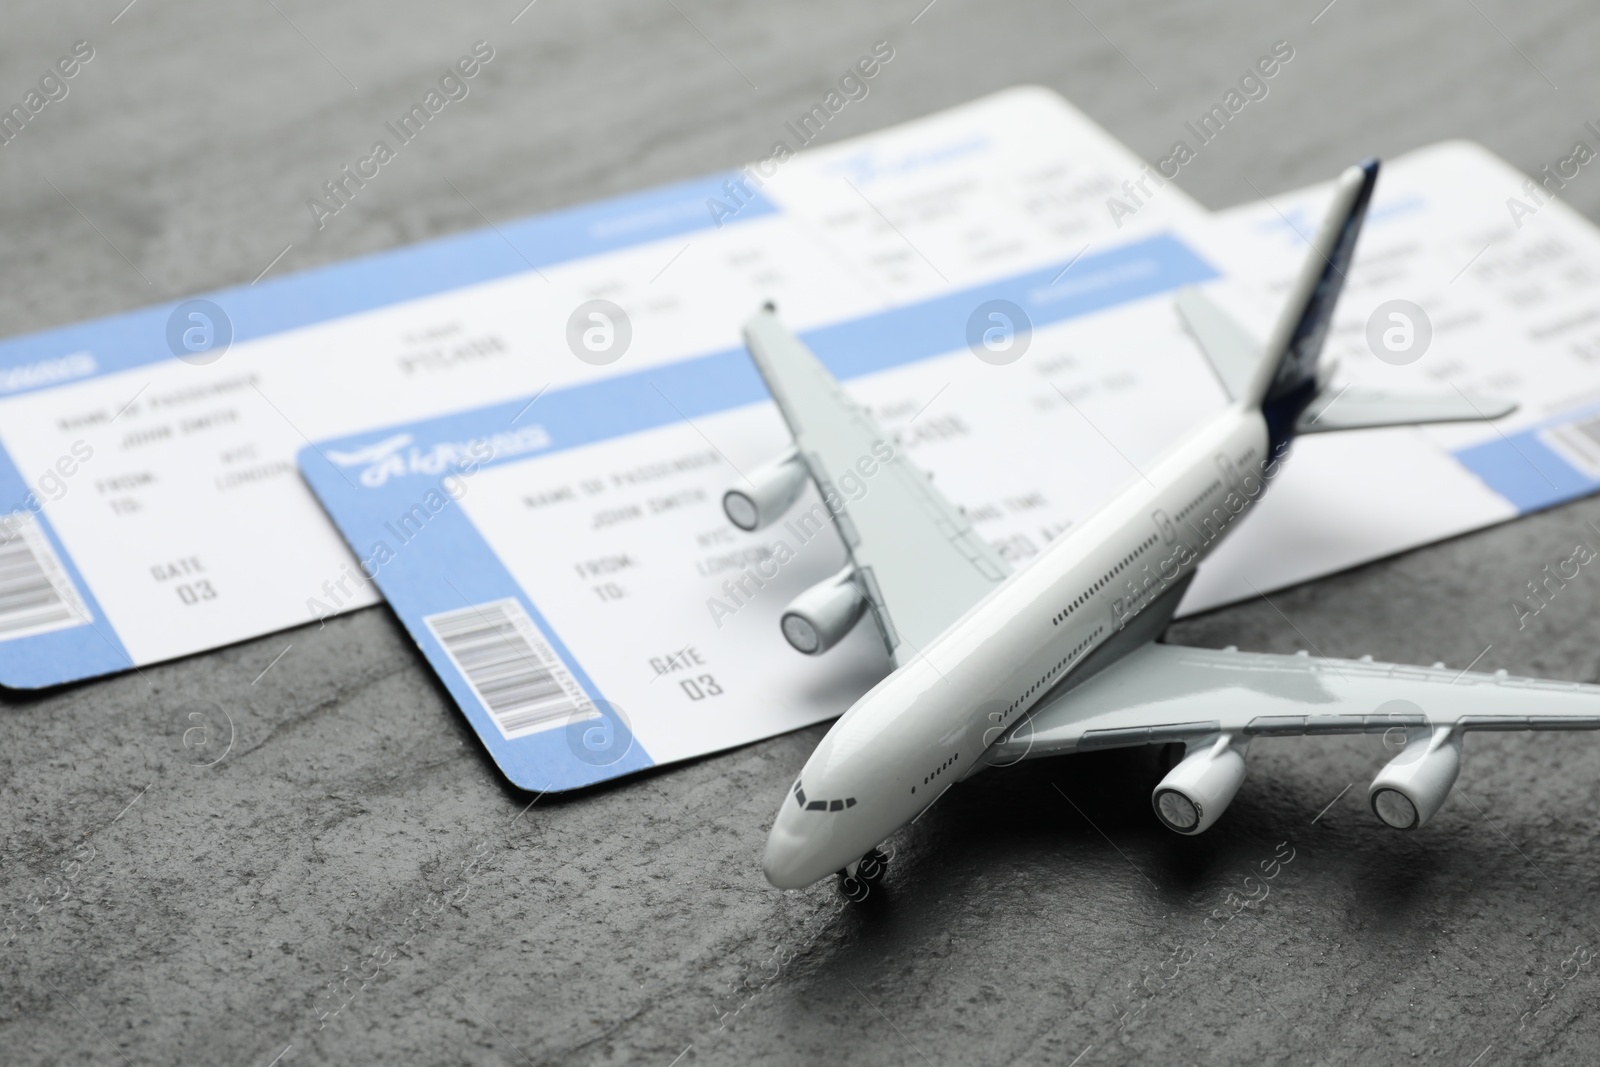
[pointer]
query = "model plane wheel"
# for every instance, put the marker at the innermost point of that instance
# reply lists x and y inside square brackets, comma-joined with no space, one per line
[873,866]
[853,888]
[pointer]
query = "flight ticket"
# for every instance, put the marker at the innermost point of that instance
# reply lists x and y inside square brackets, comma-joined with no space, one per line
[564,563]
[150,505]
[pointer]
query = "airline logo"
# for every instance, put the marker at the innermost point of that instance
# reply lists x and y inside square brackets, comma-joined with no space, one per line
[398,456]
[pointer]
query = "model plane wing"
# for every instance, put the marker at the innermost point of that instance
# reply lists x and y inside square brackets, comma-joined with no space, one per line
[1165,693]
[917,559]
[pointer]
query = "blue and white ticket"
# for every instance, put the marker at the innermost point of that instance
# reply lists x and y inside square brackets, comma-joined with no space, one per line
[563,562]
[150,505]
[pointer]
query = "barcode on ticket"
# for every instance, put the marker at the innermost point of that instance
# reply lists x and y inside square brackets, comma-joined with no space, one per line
[36,593]
[1578,443]
[512,670]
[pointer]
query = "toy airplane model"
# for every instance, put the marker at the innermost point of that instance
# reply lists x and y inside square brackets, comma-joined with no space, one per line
[1062,656]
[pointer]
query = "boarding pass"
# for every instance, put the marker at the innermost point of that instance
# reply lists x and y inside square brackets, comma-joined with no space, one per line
[150,500]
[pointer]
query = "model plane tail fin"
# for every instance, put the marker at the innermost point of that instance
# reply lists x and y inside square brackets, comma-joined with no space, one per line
[1285,376]
[1282,373]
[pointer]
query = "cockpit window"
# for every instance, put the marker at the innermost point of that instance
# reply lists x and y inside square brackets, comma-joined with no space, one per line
[820,805]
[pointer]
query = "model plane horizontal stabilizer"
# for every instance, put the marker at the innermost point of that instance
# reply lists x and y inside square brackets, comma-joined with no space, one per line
[1353,408]
[1236,354]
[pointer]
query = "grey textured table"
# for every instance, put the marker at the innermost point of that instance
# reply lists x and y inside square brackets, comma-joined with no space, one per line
[356,850]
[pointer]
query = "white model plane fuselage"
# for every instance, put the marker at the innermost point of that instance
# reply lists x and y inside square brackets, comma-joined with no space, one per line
[927,724]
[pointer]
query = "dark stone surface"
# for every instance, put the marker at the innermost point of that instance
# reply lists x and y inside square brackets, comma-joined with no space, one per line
[357,848]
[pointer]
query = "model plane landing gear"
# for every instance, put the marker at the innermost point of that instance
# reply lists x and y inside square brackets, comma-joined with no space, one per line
[854,889]
[857,881]
[873,866]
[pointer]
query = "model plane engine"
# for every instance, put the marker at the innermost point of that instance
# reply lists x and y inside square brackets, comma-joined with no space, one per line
[1413,785]
[771,490]
[818,618]
[1196,792]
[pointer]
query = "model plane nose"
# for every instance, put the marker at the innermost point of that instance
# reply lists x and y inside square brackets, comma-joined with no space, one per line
[783,860]
[800,849]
